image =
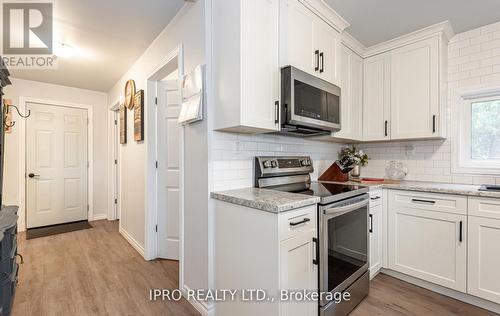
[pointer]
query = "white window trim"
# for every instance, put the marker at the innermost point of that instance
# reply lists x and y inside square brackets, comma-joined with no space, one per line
[461,128]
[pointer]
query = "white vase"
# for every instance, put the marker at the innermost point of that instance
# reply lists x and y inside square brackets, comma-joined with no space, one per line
[356,171]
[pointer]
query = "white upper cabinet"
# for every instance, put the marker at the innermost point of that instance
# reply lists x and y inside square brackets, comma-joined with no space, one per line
[327,42]
[352,95]
[246,65]
[376,98]
[405,91]
[308,41]
[415,90]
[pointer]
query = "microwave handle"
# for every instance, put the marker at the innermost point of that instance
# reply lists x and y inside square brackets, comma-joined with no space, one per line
[316,53]
[276,112]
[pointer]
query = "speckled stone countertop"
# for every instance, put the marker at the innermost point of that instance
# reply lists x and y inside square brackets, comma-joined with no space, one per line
[432,187]
[267,200]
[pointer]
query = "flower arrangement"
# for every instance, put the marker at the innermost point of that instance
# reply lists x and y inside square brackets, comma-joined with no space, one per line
[352,153]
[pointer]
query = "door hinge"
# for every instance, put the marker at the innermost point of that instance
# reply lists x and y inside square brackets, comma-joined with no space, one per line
[116,161]
[88,164]
[156,228]
[116,122]
[156,164]
[88,208]
[116,201]
[156,100]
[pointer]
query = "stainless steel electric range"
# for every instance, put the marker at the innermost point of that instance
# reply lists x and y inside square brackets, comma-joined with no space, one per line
[343,233]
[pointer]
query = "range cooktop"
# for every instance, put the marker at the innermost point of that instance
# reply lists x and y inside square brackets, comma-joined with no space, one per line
[328,192]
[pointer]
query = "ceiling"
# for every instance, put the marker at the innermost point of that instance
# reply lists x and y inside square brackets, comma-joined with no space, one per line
[376,21]
[106,36]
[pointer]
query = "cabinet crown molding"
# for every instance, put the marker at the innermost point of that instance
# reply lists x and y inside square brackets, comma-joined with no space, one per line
[443,28]
[330,16]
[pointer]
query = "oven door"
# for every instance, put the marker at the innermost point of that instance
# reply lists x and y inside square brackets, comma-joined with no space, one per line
[344,238]
[310,101]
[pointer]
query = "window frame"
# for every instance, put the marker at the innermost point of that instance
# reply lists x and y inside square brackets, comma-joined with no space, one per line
[462,133]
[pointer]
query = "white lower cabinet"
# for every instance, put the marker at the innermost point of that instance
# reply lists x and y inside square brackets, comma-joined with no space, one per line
[259,250]
[376,239]
[297,272]
[429,245]
[484,258]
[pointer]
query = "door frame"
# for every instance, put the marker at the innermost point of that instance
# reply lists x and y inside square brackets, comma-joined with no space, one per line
[114,187]
[151,242]
[22,155]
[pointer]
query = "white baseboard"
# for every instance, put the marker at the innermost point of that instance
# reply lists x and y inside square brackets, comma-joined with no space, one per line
[98,217]
[132,241]
[203,307]
[467,298]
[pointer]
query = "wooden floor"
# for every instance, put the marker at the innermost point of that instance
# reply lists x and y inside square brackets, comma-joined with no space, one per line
[392,297]
[96,272]
[92,272]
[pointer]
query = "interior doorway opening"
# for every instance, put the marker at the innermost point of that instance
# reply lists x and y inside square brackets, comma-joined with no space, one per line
[165,142]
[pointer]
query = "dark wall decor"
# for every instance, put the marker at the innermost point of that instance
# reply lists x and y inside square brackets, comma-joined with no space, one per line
[139,116]
[123,124]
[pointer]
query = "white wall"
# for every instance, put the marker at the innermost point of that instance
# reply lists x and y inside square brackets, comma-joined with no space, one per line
[233,156]
[473,60]
[44,91]
[188,29]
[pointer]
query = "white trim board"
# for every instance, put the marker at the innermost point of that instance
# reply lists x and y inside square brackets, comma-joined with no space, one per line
[131,241]
[112,212]
[205,309]
[98,217]
[22,155]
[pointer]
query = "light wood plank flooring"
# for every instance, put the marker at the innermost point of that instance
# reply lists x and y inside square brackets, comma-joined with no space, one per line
[96,272]
[392,297]
[92,272]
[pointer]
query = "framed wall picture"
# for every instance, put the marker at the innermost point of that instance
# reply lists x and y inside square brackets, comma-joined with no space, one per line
[129,94]
[123,124]
[139,116]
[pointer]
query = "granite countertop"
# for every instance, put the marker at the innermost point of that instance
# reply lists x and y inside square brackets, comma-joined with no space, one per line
[264,199]
[432,187]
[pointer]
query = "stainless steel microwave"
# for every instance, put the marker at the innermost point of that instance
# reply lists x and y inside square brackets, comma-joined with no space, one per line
[310,105]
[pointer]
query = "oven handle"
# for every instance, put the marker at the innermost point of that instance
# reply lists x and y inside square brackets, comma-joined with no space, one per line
[345,209]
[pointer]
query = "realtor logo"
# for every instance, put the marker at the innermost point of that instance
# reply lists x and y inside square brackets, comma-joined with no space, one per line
[27,28]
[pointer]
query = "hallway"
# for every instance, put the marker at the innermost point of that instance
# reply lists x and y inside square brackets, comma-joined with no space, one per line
[92,272]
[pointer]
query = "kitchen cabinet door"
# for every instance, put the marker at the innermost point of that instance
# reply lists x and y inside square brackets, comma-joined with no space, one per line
[352,96]
[298,27]
[428,245]
[484,258]
[298,272]
[415,90]
[246,65]
[327,42]
[376,98]
[376,239]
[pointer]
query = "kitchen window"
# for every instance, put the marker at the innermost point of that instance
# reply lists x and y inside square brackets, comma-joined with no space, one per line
[477,133]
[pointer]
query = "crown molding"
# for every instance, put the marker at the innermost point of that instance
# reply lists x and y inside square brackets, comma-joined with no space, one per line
[443,28]
[353,44]
[330,16]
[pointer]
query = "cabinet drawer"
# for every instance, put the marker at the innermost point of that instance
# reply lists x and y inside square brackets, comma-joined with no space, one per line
[484,207]
[295,222]
[448,203]
[375,198]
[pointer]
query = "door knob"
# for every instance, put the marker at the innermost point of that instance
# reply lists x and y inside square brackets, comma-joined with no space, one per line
[32,175]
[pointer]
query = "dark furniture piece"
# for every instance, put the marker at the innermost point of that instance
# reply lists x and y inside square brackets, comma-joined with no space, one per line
[8,221]
[8,252]
[4,81]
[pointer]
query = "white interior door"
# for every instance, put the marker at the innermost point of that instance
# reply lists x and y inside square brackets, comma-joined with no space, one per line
[169,159]
[56,165]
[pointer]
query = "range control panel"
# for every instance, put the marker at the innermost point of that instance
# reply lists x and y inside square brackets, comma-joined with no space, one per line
[266,166]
